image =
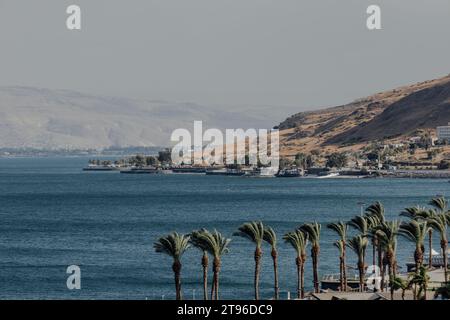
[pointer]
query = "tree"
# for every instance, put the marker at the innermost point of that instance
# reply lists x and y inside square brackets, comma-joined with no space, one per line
[151,161]
[400,284]
[421,214]
[216,245]
[197,240]
[271,238]
[387,234]
[337,160]
[376,215]
[415,232]
[254,231]
[299,240]
[165,156]
[341,229]
[174,245]
[313,232]
[439,223]
[421,280]
[359,244]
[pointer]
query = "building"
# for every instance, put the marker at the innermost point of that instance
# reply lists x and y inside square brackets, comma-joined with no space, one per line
[443,132]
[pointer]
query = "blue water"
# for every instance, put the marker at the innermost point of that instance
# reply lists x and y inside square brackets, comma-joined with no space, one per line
[54,215]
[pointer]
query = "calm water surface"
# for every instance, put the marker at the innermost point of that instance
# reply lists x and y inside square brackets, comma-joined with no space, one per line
[53,215]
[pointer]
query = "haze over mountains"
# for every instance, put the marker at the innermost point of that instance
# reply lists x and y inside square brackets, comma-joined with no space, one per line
[60,119]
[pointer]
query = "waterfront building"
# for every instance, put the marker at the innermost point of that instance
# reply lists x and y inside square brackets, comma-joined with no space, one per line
[443,132]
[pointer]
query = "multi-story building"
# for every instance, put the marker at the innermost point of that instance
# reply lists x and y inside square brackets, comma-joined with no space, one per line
[443,132]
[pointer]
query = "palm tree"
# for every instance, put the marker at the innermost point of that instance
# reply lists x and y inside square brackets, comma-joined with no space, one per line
[376,213]
[313,232]
[400,284]
[421,280]
[439,222]
[376,210]
[415,232]
[373,222]
[271,238]
[440,203]
[299,240]
[422,214]
[387,234]
[366,226]
[360,223]
[254,231]
[341,229]
[216,245]
[359,244]
[340,245]
[197,240]
[174,245]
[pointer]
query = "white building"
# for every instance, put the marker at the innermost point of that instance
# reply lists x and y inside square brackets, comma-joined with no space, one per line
[443,132]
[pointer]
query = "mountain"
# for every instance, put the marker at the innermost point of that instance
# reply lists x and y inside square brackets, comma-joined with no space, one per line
[56,119]
[387,115]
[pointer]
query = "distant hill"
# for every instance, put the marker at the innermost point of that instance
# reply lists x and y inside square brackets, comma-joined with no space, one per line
[386,115]
[55,119]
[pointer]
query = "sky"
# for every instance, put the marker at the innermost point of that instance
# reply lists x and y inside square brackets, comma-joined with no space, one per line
[285,53]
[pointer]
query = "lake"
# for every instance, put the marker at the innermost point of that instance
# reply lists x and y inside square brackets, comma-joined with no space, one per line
[54,215]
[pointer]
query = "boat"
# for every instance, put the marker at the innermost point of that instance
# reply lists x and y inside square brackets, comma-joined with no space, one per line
[437,262]
[333,282]
[328,175]
[93,167]
[140,170]
[200,170]
[288,173]
[225,172]
[262,172]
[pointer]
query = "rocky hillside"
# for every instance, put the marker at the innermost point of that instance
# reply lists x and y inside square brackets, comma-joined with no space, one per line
[387,115]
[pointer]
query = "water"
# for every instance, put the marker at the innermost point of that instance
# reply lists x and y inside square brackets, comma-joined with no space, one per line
[54,215]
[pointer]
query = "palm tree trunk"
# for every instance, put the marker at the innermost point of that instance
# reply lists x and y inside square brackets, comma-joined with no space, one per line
[258,254]
[315,257]
[176,267]
[302,275]
[216,270]
[341,273]
[344,270]
[205,275]
[213,287]
[275,273]
[383,271]
[374,252]
[361,276]
[391,277]
[298,262]
[430,249]
[444,256]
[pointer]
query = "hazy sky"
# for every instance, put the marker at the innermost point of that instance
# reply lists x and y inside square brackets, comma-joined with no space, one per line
[305,53]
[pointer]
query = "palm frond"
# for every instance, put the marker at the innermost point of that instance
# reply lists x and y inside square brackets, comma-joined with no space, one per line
[253,231]
[173,245]
[340,228]
[313,232]
[298,240]
[270,237]
[376,210]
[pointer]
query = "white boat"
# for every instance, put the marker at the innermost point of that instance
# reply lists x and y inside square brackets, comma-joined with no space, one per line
[329,175]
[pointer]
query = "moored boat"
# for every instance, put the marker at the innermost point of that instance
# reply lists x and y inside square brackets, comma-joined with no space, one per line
[140,170]
[289,173]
